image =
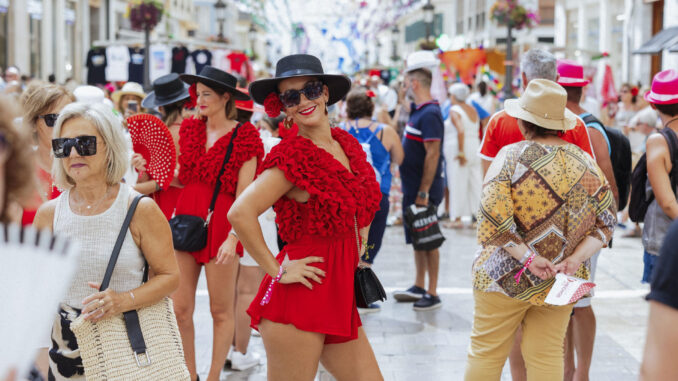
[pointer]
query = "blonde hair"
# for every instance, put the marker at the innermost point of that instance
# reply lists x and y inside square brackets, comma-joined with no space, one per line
[110,130]
[38,98]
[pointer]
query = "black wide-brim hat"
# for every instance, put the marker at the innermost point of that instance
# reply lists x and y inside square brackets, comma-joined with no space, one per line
[300,65]
[167,89]
[216,79]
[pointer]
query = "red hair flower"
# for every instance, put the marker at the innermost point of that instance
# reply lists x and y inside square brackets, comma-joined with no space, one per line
[634,91]
[370,94]
[194,97]
[272,105]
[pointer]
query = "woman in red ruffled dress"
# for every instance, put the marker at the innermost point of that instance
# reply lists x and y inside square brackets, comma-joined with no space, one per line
[203,142]
[324,192]
[170,95]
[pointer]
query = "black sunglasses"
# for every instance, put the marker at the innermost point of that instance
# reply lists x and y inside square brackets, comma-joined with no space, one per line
[50,119]
[312,90]
[84,145]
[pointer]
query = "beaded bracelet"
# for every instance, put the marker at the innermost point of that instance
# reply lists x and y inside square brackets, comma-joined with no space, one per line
[269,291]
[525,266]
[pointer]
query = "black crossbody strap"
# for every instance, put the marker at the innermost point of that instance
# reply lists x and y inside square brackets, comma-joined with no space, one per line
[118,243]
[672,141]
[217,186]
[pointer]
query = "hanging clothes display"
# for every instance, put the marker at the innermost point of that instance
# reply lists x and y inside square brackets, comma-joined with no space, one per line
[220,59]
[136,65]
[179,56]
[96,66]
[117,69]
[161,61]
[201,58]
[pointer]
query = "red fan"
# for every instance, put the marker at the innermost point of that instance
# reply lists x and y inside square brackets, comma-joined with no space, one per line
[152,140]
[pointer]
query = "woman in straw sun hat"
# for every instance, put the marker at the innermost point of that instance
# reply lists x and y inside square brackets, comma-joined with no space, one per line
[545,208]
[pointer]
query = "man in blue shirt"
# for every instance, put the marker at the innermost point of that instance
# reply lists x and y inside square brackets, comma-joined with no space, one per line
[422,181]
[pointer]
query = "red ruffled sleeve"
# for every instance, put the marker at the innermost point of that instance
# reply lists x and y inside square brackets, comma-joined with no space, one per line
[198,165]
[336,195]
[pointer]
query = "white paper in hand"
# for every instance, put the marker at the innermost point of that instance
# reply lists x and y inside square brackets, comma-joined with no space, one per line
[35,272]
[567,290]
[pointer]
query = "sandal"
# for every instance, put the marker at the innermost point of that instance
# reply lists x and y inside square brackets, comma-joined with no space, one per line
[453,224]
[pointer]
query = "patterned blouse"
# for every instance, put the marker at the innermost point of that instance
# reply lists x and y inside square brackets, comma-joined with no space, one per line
[548,197]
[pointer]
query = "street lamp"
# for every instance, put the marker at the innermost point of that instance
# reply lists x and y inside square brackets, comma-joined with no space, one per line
[429,14]
[377,51]
[220,12]
[395,35]
[252,35]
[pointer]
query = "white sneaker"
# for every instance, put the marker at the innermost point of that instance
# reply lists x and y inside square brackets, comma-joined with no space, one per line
[245,361]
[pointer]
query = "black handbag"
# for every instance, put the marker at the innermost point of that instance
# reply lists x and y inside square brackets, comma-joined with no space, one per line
[367,287]
[423,227]
[189,233]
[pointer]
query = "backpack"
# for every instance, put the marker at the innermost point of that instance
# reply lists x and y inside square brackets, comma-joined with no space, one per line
[640,197]
[620,156]
[386,165]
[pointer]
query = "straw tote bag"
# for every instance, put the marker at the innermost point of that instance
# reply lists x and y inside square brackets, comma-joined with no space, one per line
[142,344]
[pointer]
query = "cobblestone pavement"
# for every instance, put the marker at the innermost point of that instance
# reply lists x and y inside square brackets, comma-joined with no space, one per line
[431,346]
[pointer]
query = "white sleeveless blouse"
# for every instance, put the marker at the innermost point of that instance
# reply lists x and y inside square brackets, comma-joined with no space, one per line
[97,235]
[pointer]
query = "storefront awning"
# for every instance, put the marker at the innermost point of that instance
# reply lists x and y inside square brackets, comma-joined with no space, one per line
[665,39]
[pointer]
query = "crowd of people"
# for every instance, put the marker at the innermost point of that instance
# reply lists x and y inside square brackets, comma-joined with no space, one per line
[282,203]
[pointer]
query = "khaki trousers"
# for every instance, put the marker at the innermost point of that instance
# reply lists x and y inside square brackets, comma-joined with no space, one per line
[496,319]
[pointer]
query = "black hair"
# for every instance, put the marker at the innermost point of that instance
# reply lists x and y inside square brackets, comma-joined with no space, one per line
[573,93]
[482,88]
[243,116]
[670,110]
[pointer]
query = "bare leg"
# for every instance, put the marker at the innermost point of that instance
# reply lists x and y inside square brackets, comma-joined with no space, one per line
[569,353]
[42,362]
[184,304]
[352,361]
[433,261]
[584,335]
[421,264]
[292,354]
[518,370]
[221,286]
[249,278]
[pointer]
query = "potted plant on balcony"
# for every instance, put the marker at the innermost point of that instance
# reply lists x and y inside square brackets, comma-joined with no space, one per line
[144,15]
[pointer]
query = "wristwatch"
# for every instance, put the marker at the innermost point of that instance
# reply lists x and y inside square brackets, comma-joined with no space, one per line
[422,194]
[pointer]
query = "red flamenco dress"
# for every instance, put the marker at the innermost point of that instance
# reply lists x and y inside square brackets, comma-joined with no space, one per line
[198,171]
[323,226]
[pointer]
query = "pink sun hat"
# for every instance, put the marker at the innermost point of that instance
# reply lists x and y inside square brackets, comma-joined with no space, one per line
[664,88]
[571,74]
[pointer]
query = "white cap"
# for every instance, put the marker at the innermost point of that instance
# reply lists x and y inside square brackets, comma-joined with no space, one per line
[459,91]
[423,59]
[89,94]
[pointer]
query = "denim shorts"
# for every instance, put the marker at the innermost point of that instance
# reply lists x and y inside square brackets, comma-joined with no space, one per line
[649,260]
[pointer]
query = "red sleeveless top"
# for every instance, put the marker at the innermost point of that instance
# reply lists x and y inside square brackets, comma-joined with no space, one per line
[336,195]
[198,165]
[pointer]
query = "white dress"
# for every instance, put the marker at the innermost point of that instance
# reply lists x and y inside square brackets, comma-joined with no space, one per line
[464,182]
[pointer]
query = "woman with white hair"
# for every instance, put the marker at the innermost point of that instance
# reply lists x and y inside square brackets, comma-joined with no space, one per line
[91,159]
[463,170]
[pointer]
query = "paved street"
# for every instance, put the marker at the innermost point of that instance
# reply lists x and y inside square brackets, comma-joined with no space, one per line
[431,346]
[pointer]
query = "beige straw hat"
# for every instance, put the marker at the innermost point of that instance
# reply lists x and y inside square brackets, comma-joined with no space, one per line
[543,103]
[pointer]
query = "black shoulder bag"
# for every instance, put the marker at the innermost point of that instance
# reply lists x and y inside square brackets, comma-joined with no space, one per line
[367,287]
[189,233]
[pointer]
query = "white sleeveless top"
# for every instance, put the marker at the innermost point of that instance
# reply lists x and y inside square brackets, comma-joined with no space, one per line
[97,235]
[471,138]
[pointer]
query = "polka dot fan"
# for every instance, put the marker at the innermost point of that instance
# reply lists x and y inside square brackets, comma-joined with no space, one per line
[152,140]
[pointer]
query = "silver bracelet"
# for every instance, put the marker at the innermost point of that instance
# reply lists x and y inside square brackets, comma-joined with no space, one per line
[132,295]
[525,257]
[233,232]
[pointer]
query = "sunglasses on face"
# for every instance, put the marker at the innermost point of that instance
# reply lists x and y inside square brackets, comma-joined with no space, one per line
[312,90]
[50,119]
[84,146]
